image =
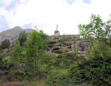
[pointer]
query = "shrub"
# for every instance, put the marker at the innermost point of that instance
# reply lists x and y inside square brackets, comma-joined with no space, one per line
[64,60]
[96,29]
[5,44]
[5,62]
[16,53]
[96,71]
[22,37]
[100,49]
[61,79]
[35,46]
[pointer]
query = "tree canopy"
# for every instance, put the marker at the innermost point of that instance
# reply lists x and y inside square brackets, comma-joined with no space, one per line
[96,28]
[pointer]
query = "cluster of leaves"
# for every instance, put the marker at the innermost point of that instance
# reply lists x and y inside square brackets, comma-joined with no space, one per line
[96,28]
[64,60]
[5,44]
[35,46]
[96,71]
[29,59]
[22,37]
[16,52]
[26,56]
[59,79]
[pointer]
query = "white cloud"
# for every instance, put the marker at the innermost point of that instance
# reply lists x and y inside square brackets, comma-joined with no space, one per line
[5,2]
[47,13]
[23,1]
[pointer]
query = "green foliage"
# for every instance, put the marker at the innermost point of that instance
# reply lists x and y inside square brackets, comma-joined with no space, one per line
[5,62]
[100,49]
[28,60]
[5,44]
[17,74]
[61,79]
[96,71]
[96,28]
[36,42]
[44,65]
[35,45]
[97,68]
[4,53]
[1,62]
[22,37]
[64,60]
[16,53]
[32,61]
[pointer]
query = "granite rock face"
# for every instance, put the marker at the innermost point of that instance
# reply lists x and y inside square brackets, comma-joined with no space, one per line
[67,44]
[12,34]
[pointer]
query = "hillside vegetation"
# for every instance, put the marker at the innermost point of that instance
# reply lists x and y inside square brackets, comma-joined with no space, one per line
[36,60]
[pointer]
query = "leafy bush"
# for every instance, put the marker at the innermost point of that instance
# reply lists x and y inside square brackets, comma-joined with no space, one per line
[22,37]
[64,60]
[96,28]
[17,74]
[35,46]
[5,44]
[96,70]
[16,53]
[5,61]
[58,78]
[100,49]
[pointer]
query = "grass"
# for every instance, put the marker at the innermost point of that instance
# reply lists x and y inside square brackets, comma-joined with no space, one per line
[35,83]
[1,84]
[43,83]
[30,83]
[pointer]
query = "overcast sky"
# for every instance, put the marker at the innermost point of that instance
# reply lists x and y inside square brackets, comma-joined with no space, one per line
[46,14]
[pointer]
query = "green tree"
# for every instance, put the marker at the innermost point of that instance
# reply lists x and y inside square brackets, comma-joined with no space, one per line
[99,33]
[22,37]
[96,28]
[36,43]
[16,52]
[5,44]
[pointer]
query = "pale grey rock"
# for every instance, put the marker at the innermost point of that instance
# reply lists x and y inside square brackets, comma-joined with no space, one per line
[12,34]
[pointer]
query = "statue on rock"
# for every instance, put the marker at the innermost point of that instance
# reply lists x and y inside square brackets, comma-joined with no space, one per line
[56,32]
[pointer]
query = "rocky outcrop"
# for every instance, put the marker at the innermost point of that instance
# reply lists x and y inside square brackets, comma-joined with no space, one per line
[12,34]
[68,43]
[58,44]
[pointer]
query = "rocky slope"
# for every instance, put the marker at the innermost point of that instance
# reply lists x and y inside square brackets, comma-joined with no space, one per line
[57,44]
[12,34]
[67,44]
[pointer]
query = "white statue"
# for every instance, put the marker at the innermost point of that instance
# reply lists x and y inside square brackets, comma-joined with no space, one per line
[56,32]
